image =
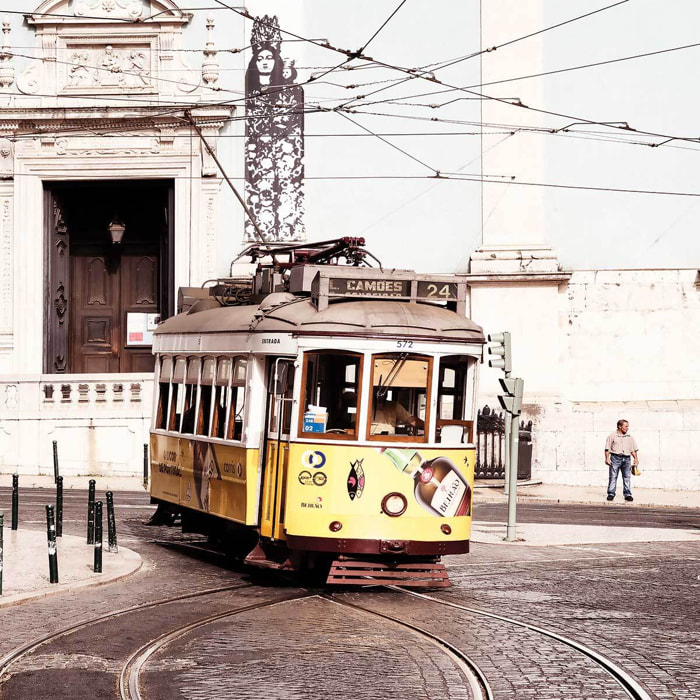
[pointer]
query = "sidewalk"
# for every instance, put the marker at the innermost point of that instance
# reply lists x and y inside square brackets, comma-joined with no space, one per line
[488,491]
[553,534]
[26,565]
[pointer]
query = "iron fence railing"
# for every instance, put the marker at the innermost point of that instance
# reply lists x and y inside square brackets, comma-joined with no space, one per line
[490,446]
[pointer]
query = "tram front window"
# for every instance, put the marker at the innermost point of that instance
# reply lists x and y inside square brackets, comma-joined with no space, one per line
[331,393]
[399,391]
[452,427]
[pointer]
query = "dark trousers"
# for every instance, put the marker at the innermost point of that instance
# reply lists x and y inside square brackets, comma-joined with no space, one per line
[620,463]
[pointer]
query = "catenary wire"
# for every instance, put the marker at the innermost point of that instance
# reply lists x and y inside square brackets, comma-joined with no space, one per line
[514,41]
[575,119]
[388,19]
[521,77]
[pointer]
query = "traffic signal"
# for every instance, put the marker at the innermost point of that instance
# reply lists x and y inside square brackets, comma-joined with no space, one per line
[512,398]
[500,348]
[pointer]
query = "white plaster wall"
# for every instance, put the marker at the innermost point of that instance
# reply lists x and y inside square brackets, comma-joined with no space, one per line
[629,345]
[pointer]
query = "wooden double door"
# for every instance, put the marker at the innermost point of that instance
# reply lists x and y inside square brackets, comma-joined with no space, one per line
[104,290]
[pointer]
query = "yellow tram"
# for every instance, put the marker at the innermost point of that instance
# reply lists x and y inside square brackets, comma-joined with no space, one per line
[325,417]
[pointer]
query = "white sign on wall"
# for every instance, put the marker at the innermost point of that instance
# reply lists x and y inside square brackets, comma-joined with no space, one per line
[140,327]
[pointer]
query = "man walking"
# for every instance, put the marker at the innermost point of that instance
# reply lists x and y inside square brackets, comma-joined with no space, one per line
[619,447]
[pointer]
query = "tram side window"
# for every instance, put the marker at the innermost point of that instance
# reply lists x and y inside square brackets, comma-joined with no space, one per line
[229,398]
[205,396]
[166,368]
[398,405]
[234,430]
[190,395]
[177,402]
[331,393]
[452,382]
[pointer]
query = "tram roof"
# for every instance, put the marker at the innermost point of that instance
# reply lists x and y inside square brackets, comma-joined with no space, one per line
[287,313]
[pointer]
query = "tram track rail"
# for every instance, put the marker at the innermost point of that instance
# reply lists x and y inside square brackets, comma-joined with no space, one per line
[18,653]
[129,678]
[627,683]
[476,678]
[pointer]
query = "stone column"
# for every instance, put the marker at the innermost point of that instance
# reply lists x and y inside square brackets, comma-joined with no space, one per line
[512,215]
[6,272]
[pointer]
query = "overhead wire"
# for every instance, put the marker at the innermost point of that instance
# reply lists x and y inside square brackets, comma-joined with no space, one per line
[386,21]
[474,54]
[414,73]
[521,77]
[617,124]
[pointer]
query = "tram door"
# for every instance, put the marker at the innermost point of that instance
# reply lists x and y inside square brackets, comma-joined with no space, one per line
[280,383]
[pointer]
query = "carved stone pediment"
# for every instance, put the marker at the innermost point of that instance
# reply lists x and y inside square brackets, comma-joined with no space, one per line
[97,47]
[122,64]
[63,11]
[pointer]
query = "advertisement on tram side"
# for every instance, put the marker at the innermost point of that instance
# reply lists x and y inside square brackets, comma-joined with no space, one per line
[410,492]
[205,476]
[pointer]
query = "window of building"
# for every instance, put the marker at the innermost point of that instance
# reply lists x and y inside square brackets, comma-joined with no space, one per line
[452,384]
[161,417]
[399,400]
[331,393]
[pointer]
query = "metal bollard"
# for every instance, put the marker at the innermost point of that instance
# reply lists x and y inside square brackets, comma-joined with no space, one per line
[15,500]
[59,506]
[111,524]
[145,467]
[51,536]
[97,567]
[55,462]
[91,513]
[2,517]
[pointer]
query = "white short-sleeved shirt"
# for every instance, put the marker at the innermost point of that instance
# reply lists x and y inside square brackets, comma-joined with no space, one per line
[620,444]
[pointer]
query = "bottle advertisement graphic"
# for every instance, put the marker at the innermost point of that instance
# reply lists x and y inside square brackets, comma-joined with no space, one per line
[439,486]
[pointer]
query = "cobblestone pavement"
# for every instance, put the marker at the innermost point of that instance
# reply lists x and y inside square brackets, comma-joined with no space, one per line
[636,604]
[308,650]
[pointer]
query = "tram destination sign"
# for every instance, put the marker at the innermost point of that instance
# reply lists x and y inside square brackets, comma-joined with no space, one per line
[438,290]
[359,287]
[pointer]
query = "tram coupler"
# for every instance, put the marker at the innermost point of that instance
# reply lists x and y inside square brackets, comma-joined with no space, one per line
[91,512]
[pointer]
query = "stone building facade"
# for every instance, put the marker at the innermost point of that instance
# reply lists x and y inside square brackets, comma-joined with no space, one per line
[96,141]
[96,137]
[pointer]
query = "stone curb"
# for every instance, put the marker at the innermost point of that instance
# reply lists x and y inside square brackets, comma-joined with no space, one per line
[127,555]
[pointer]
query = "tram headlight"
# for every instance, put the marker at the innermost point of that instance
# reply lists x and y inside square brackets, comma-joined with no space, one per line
[394,504]
[335,526]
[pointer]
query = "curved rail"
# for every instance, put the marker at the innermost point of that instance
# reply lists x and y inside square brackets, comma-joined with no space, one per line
[628,684]
[476,678]
[129,676]
[19,652]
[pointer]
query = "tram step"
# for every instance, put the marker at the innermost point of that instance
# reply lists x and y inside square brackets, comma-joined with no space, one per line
[348,572]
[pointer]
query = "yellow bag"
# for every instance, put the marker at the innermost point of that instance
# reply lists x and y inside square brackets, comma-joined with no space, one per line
[636,471]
